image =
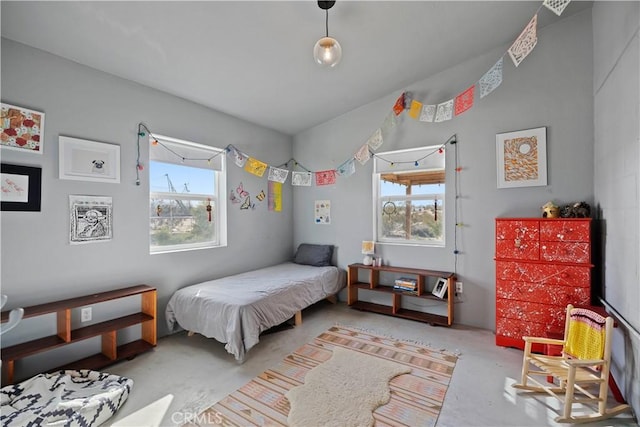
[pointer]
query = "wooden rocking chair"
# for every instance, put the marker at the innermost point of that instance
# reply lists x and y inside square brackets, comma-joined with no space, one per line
[584,363]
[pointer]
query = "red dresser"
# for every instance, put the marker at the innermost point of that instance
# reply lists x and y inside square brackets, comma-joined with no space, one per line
[541,266]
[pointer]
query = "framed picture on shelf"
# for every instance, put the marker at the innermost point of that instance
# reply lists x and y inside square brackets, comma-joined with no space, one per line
[21,188]
[440,288]
[522,158]
[22,129]
[85,160]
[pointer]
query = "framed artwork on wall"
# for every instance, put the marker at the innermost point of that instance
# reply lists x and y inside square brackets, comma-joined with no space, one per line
[85,160]
[522,158]
[22,129]
[91,219]
[21,189]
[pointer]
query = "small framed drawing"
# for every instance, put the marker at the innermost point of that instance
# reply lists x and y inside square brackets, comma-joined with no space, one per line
[20,188]
[522,158]
[91,219]
[85,160]
[22,129]
[440,288]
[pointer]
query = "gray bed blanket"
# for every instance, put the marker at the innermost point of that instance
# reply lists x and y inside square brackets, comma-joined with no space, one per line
[236,309]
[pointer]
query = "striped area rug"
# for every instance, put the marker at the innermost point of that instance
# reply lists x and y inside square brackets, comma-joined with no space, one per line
[416,398]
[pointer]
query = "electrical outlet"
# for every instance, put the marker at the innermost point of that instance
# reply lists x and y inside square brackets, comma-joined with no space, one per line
[458,287]
[85,314]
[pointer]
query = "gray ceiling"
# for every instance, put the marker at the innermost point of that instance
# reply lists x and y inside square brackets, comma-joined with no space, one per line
[253,59]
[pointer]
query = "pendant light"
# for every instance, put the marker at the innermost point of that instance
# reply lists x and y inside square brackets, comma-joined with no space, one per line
[327,50]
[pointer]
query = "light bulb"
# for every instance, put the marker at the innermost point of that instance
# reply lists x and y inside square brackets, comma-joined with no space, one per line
[327,51]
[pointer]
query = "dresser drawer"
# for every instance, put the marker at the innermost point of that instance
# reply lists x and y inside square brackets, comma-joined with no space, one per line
[550,274]
[511,229]
[577,252]
[565,230]
[525,311]
[517,329]
[518,249]
[543,293]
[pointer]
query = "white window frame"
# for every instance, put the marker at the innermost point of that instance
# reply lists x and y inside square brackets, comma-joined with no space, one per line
[218,200]
[414,154]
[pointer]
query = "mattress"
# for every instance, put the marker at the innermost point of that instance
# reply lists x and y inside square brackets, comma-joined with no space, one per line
[236,309]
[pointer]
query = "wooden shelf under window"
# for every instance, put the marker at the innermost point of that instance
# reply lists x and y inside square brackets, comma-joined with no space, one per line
[395,308]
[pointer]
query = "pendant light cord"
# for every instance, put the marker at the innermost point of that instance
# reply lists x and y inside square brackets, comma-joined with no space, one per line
[326,22]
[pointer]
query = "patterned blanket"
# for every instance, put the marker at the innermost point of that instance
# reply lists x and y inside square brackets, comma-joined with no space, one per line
[67,398]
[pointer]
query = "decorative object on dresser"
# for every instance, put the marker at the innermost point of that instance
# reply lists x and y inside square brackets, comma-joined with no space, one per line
[426,281]
[107,330]
[550,210]
[541,266]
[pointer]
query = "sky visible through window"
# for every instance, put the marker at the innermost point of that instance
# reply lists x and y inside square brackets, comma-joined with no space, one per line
[185,179]
[392,189]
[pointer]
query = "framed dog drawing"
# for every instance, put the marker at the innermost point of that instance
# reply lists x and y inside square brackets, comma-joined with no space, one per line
[85,160]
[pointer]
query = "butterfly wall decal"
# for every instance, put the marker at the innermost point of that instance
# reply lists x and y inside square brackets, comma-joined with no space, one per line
[241,191]
[247,204]
[233,198]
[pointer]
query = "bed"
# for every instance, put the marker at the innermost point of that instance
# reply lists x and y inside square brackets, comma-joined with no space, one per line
[236,309]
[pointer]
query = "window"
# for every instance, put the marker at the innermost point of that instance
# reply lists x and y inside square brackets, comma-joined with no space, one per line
[409,190]
[186,178]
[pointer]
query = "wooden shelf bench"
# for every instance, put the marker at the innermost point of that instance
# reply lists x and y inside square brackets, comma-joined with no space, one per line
[108,329]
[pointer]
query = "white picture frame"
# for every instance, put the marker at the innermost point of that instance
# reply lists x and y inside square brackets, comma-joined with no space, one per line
[521,158]
[440,287]
[22,129]
[84,160]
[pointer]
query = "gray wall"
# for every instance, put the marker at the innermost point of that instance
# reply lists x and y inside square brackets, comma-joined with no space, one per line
[616,91]
[552,88]
[38,263]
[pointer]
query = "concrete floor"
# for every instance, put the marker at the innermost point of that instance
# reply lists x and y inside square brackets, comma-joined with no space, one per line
[198,372]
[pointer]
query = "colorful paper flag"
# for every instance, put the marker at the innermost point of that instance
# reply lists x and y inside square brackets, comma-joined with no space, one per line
[255,166]
[444,111]
[375,140]
[525,42]
[491,79]
[238,157]
[389,122]
[363,154]
[428,113]
[327,177]
[302,179]
[399,105]
[415,109]
[348,168]
[556,6]
[277,174]
[464,101]
[275,196]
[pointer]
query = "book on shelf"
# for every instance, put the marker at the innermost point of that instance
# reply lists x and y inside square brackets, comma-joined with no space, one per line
[406,283]
[404,288]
